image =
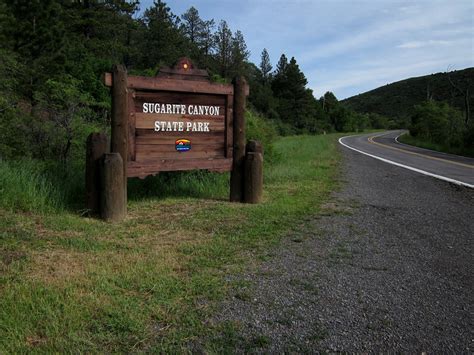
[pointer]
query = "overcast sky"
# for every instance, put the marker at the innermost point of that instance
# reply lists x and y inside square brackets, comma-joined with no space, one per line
[349,47]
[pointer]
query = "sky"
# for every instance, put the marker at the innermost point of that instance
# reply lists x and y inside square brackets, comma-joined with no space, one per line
[351,46]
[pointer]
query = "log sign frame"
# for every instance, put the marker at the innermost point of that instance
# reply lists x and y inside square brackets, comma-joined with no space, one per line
[178,120]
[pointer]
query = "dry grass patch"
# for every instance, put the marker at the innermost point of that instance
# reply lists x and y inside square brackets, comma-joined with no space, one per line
[57,267]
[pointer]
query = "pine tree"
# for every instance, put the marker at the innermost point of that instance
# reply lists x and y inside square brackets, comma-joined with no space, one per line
[223,47]
[163,42]
[279,78]
[193,25]
[200,35]
[207,37]
[38,37]
[329,101]
[296,80]
[282,65]
[99,34]
[295,102]
[265,66]
[240,54]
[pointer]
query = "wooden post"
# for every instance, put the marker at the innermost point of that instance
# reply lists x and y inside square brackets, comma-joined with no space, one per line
[254,147]
[112,202]
[253,173]
[97,146]
[237,174]
[119,139]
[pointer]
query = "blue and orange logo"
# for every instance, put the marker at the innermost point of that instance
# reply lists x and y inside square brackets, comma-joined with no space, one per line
[183,145]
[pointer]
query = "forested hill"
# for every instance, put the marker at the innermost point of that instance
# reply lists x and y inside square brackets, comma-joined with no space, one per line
[397,100]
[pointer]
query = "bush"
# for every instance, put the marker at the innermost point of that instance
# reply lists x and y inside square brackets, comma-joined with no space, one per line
[65,119]
[261,129]
[284,129]
[378,121]
[438,123]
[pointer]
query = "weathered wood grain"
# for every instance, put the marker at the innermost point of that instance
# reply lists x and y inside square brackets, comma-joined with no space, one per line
[170,147]
[177,98]
[120,118]
[229,125]
[151,168]
[113,201]
[144,156]
[236,179]
[151,134]
[196,140]
[169,117]
[131,126]
[97,145]
[145,83]
[253,173]
[168,84]
[182,85]
[147,121]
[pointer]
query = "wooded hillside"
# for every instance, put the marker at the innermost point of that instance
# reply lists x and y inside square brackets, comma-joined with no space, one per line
[398,100]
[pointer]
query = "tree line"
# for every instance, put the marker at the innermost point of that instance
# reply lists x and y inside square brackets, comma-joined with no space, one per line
[53,53]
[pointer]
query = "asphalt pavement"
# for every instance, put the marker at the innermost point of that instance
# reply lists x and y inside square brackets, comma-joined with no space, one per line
[385,147]
[387,266]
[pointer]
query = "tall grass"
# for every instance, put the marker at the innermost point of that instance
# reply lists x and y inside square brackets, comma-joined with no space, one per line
[25,188]
[198,184]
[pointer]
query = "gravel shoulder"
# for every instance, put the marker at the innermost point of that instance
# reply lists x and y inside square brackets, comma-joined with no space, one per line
[388,266]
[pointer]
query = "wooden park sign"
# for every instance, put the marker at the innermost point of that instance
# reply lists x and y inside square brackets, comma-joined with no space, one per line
[176,121]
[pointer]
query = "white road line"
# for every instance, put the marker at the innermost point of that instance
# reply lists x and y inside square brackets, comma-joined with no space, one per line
[396,138]
[406,167]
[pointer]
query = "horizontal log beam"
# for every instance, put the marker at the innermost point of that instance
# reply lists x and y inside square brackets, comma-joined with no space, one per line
[150,83]
[204,139]
[168,117]
[154,156]
[143,169]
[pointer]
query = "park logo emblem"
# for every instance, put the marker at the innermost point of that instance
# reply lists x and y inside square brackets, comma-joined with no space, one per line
[183,145]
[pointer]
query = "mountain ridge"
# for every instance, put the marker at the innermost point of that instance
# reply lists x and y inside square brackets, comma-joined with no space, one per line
[397,100]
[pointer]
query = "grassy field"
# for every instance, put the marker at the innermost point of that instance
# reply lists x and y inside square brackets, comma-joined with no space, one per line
[76,284]
[408,139]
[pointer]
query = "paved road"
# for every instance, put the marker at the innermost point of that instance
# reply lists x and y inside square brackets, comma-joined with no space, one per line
[387,267]
[453,168]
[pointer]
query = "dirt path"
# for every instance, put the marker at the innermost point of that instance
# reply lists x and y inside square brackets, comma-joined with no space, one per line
[388,267]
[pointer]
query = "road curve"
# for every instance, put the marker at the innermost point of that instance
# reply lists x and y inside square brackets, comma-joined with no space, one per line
[385,267]
[385,146]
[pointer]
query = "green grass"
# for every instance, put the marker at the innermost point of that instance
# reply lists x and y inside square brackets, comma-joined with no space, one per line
[409,139]
[23,187]
[69,283]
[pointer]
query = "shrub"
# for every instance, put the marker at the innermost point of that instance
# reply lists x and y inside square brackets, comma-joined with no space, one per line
[261,129]
[438,123]
[378,121]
